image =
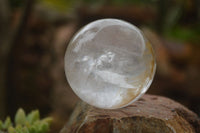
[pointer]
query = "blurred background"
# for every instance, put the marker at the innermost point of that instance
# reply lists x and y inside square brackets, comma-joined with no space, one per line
[34,35]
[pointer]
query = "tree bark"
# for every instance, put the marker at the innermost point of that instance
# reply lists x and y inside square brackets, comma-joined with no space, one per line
[150,114]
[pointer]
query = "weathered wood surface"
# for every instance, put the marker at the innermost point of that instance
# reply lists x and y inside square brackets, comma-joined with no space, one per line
[150,114]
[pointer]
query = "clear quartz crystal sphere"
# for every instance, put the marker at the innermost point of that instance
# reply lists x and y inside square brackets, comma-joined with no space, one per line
[109,63]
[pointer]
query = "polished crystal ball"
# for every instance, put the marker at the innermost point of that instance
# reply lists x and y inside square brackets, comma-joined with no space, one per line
[109,63]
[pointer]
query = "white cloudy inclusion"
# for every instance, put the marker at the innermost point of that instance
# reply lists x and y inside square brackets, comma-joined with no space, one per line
[109,64]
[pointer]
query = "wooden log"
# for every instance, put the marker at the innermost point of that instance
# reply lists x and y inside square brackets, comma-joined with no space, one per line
[150,114]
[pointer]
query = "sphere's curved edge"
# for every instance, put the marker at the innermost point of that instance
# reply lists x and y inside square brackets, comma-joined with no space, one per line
[144,90]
